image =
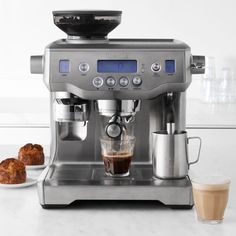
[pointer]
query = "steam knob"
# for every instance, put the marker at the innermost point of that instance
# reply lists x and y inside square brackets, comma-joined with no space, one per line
[36,64]
[198,65]
[156,67]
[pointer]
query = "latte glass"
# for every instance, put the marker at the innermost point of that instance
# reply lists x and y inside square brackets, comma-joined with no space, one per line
[210,195]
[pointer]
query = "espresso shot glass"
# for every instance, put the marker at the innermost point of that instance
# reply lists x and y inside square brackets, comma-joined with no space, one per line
[117,156]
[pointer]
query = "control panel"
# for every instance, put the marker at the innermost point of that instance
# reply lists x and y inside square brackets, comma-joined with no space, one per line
[118,70]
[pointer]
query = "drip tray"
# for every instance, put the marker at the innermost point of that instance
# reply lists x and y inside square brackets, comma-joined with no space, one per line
[64,184]
[136,173]
[93,174]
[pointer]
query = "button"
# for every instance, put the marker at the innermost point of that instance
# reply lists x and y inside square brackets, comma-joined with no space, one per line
[111,82]
[83,67]
[155,67]
[170,66]
[123,81]
[97,82]
[64,66]
[137,81]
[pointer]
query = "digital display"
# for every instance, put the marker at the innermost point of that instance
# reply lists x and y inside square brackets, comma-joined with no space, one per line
[170,66]
[64,66]
[116,66]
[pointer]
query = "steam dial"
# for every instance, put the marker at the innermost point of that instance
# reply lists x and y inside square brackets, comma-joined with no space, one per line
[198,65]
[155,67]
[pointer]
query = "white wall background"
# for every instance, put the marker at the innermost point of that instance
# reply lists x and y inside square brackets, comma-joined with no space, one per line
[208,26]
[27,26]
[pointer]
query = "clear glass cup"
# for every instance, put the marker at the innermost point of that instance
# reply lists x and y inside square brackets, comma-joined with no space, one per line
[227,86]
[210,195]
[117,155]
[209,83]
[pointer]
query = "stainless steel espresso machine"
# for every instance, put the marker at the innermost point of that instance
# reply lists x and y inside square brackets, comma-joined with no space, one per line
[101,86]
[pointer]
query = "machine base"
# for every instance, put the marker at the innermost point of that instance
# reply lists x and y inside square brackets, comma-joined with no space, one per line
[55,206]
[61,185]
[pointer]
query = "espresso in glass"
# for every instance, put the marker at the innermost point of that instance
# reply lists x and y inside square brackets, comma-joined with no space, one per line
[117,156]
[117,163]
[210,197]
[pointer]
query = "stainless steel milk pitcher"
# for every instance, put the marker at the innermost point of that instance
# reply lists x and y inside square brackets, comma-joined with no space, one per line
[170,154]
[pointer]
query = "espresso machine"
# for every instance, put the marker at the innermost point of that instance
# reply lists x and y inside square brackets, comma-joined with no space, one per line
[96,84]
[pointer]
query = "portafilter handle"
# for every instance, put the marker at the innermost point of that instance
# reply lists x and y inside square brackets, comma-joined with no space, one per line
[114,128]
[37,64]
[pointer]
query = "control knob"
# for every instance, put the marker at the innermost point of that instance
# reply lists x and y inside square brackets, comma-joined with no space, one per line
[155,67]
[197,64]
[137,81]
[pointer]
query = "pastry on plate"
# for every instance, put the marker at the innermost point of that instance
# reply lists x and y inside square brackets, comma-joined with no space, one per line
[31,154]
[12,171]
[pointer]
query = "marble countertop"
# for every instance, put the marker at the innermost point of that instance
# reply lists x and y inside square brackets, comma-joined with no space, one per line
[21,215]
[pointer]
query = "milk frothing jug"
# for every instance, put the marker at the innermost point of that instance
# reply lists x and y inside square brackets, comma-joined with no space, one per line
[170,154]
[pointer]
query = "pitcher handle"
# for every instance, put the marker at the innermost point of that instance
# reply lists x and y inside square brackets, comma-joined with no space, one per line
[199,150]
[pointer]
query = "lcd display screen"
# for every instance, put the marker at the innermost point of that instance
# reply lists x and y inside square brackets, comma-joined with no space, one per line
[116,66]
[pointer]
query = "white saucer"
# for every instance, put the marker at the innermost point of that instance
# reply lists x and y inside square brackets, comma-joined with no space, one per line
[35,167]
[29,182]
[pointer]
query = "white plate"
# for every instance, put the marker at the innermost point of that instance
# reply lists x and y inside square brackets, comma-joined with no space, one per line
[29,182]
[38,167]
[35,167]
